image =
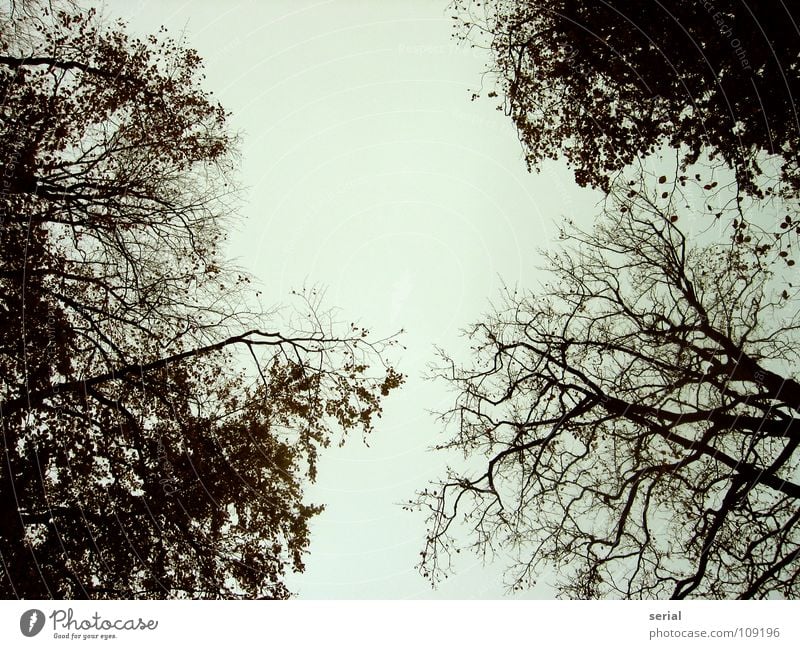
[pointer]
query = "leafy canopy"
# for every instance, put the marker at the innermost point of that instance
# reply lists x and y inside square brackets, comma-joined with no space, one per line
[603,83]
[158,425]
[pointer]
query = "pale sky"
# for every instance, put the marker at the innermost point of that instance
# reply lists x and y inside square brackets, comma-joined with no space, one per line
[369,172]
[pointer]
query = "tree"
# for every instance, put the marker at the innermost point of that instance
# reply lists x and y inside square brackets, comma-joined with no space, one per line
[635,421]
[605,82]
[143,456]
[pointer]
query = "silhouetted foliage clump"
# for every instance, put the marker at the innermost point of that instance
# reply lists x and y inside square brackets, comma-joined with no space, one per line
[606,82]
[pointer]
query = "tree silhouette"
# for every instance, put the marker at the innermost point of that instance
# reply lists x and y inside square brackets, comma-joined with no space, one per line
[635,421]
[143,457]
[605,82]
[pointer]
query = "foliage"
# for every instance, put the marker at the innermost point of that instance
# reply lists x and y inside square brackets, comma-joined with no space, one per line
[606,82]
[142,458]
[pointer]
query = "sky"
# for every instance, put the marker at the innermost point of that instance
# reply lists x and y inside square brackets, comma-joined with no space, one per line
[370,173]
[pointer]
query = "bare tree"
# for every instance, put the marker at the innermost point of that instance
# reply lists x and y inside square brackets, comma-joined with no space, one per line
[635,420]
[158,425]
